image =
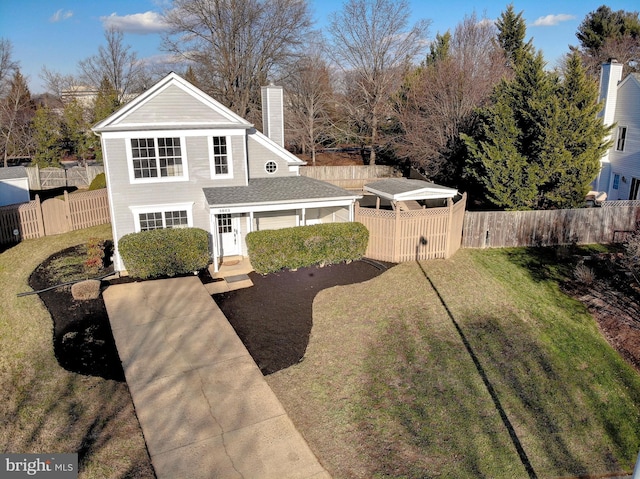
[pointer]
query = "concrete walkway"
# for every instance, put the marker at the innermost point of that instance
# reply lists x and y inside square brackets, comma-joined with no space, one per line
[204,407]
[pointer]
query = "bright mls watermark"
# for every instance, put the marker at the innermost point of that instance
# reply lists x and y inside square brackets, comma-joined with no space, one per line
[50,466]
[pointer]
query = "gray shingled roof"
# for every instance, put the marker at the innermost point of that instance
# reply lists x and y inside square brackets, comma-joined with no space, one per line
[395,186]
[275,190]
[12,172]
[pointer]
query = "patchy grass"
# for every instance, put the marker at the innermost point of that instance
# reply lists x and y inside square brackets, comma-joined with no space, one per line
[46,408]
[478,366]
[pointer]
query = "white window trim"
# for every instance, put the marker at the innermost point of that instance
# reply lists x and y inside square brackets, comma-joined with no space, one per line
[136,210]
[271,172]
[212,165]
[159,179]
[626,135]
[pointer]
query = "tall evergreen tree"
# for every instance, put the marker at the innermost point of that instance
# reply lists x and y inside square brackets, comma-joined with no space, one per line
[540,143]
[511,32]
[106,101]
[439,48]
[47,137]
[581,135]
[605,34]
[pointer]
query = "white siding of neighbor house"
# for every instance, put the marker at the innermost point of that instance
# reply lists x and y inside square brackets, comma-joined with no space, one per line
[14,190]
[627,113]
[173,105]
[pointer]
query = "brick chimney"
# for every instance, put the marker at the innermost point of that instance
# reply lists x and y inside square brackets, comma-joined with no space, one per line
[273,113]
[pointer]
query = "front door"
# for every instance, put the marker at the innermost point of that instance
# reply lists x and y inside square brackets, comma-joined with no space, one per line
[229,232]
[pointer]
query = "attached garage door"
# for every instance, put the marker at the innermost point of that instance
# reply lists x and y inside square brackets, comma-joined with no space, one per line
[274,220]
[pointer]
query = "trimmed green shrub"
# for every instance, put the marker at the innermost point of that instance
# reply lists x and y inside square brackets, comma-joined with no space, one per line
[99,182]
[165,252]
[291,248]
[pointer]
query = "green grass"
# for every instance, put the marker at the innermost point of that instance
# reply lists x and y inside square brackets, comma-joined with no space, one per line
[388,373]
[46,409]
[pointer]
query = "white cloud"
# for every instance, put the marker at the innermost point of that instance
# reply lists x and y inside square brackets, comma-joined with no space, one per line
[60,16]
[142,23]
[551,20]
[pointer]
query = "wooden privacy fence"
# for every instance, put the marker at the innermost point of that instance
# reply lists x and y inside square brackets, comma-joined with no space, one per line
[498,229]
[54,216]
[49,178]
[398,236]
[352,177]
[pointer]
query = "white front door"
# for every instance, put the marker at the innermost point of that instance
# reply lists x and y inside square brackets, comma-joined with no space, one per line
[229,233]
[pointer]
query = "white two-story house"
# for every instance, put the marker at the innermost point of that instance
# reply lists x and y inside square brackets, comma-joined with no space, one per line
[174,157]
[620,166]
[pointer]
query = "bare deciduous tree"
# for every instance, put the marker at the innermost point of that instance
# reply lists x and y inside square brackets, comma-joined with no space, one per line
[56,83]
[439,99]
[117,63]
[372,43]
[309,97]
[16,112]
[236,45]
[7,64]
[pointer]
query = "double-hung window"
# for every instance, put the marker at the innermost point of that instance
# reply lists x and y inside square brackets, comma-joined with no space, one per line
[162,216]
[622,137]
[220,157]
[157,158]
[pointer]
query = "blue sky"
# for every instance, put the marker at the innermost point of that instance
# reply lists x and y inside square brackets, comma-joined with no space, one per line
[59,33]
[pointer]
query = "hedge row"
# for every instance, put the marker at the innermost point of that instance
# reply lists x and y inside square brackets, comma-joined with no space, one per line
[291,248]
[165,252]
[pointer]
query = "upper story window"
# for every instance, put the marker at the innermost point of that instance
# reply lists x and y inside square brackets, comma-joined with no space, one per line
[157,158]
[220,157]
[220,153]
[622,136]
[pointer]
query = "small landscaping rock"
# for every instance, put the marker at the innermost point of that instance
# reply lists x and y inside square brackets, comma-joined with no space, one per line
[84,290]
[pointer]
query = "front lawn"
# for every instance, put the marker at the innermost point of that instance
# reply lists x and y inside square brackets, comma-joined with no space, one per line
[477,366]
[46,409]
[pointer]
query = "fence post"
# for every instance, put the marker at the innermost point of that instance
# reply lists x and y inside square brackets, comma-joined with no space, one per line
[67,209]
[447,251]
[39,217]
[396,236]
[39,181]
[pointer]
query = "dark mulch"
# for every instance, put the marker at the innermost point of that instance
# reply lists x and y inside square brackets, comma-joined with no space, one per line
[82,338]
[273,318]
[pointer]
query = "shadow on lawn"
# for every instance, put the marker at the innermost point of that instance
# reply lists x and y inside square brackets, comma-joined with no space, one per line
[90,429]
[415,376]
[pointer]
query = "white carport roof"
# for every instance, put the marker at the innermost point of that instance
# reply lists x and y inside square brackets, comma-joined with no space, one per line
[404,189]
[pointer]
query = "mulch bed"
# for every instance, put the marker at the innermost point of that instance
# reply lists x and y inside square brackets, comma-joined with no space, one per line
[273,318]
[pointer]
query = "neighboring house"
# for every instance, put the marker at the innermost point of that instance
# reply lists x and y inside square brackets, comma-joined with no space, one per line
[14,185]
[620,173]
[175,157]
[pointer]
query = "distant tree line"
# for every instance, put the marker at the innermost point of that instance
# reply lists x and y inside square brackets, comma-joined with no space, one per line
[476,108]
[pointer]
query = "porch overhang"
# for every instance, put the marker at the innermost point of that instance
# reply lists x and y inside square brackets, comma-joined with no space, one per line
[277,194]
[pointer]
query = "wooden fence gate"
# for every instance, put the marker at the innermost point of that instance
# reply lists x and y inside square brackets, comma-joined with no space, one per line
[56,217]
